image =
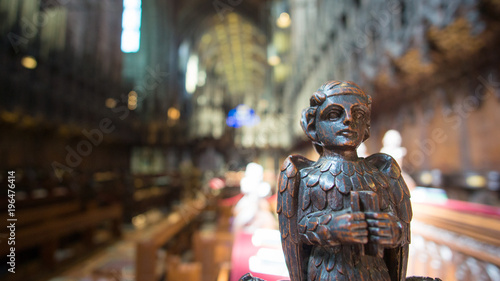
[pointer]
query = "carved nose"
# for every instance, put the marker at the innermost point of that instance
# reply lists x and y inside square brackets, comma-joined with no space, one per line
[348,118]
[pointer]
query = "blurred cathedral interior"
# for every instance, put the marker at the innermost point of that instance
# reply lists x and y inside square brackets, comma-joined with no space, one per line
[144,138]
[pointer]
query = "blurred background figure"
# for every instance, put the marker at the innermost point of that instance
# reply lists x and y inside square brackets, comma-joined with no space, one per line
[253,210]
[362,150]
[392,146]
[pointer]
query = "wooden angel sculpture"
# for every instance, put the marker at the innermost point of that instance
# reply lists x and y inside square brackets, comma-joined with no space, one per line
[343,217]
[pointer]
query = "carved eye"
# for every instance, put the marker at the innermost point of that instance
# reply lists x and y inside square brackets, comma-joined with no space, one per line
[334,115]
[359,115]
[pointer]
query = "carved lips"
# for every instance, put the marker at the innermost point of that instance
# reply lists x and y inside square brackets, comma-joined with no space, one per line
[348,133]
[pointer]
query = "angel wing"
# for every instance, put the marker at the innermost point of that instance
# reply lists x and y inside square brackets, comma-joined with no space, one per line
[289,185]
[399,197]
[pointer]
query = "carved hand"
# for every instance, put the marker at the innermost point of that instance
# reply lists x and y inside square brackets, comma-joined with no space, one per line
[350,228]
[384,228]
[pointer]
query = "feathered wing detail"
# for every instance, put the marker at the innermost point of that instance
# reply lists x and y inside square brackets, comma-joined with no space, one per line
[288,201]
[399,199]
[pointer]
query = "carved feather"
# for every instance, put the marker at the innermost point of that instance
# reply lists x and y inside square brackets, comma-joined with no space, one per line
[347,168]
[313,178]
[325,166]
[326,181]
[335,169]
[318,198]
[289,184]
[369,181]
[343,183]
[331,263]
[335,200]
[399,197]
[306,199]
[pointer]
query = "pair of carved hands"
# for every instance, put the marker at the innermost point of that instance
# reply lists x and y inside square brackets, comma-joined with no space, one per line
[363,227]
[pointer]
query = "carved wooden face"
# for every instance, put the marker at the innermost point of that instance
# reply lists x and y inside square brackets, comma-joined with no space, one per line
[341,122]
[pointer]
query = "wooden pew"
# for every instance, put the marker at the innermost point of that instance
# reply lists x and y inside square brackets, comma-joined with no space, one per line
[48,231]
[40,214]
[147,247]
[59,226]
[48,228]
[212,249]
[454,244]
[179,271]
[224,271]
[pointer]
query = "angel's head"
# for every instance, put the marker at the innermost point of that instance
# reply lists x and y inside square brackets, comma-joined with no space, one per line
[338,116]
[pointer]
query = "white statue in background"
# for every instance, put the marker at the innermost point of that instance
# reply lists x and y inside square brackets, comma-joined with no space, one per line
[253,210]
[362,150]
[392,145]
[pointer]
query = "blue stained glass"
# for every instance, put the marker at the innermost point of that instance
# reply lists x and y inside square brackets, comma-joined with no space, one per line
[242,115]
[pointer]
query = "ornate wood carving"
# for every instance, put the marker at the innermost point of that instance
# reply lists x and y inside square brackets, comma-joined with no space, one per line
[343,217]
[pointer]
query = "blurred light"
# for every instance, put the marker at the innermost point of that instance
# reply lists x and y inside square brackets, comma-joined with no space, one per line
[232,17]
[29,62]
[131,41]
[132,100]
[201,100]
[281,72]
[139,221]
[426,178]
[131,26]
[281,41]
[9,117]
[428,195]
[274,60]
[110,103]
[131,4]
[269,261]
[27,122]
[267,238]
[216,183]
[242,115]
[263,104]
[131,19]
[202,78]
[173,113]
[206,38]
[476,181]
[192,74]
[283,20]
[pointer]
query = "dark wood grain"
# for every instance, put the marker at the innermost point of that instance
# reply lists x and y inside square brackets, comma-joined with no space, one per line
[343,217]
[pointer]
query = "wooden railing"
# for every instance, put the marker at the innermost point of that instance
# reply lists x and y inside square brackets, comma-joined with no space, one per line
[453,244]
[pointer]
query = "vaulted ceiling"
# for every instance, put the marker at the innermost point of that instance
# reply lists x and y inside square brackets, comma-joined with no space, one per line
[229,39]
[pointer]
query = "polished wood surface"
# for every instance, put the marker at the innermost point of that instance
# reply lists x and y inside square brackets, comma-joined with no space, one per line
[59,226]
[343,216]
[38,214]
[178,270]
[147,247]
[454,245]
[480,227]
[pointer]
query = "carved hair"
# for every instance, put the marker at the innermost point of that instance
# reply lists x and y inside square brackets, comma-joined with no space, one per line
[330,88]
